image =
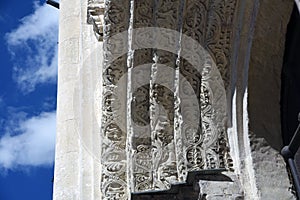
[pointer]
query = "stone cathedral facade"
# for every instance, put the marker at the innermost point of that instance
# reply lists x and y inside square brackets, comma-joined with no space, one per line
[170,99]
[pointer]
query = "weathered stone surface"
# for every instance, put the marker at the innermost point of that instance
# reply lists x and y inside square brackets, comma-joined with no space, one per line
[265,65]
[132,158]
[270,171]
[227,188]
[77,127]
[95,155]
[265,70]
[95,16]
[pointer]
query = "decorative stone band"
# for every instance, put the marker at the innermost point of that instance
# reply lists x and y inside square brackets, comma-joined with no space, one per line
[157,84]
[95,15]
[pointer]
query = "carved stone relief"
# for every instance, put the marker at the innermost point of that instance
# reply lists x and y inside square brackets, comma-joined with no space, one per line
[142,172]
[167,15]
[113,145]
[209,149]
[148,141]
[95,14]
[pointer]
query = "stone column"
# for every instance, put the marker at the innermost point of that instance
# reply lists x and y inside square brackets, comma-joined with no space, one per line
[77,157]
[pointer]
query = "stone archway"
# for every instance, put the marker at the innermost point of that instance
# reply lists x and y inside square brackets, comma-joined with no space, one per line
[103,154]
[162,159]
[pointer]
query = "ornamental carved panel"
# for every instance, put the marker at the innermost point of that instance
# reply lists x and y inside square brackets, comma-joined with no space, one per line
[165,74]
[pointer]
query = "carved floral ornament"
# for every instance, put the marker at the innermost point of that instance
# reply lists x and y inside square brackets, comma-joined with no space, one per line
[164,99]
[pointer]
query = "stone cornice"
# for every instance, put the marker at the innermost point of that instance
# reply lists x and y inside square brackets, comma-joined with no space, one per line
[95,15]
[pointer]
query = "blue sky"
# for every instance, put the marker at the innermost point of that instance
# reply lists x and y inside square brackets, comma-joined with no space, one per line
[29,36]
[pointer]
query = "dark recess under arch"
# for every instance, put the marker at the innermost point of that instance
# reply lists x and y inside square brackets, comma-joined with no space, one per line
[290,78]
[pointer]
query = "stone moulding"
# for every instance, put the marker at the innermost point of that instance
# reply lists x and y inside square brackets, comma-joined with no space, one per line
[136,163]
[95,15]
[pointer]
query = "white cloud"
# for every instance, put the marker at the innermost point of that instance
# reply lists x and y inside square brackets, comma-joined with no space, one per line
[33,46]
[1,101]
[29,142]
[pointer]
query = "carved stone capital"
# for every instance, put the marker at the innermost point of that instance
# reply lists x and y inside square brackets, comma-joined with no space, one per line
[95,16]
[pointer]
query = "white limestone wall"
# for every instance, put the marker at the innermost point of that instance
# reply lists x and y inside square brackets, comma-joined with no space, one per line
[77,145]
